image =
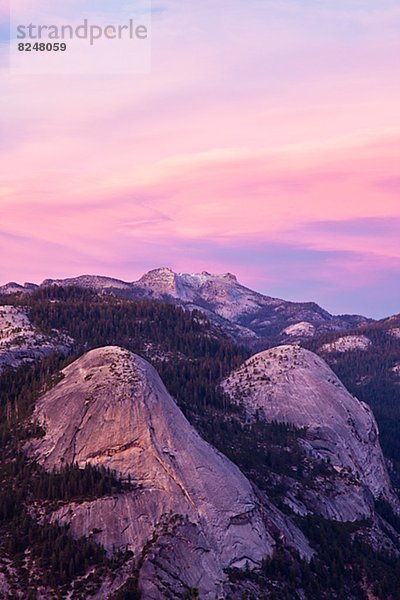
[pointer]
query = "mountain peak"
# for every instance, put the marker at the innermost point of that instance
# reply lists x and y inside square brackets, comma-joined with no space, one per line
[162,281]
[184,286]
[170,273]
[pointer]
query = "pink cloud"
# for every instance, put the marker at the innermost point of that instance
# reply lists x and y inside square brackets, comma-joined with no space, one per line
[222,196]
[255,121]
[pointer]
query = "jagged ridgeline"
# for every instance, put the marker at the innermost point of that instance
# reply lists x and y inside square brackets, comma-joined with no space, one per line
[192,357]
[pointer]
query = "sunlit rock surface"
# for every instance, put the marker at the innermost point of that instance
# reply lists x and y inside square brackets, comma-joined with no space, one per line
[347,344]
[292,385]
[112,409]
[21,342]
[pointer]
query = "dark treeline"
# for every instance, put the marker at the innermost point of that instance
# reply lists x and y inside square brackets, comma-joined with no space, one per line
[19,389]
[343,567]
[56,559]
[72,482]
[93,320]
[263,449]
[29,482]
[384,509]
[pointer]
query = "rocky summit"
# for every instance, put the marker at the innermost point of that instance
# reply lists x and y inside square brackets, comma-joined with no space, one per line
[292,385]
[201,513]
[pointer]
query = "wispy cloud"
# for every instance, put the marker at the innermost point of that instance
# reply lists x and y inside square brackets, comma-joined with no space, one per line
[266,140]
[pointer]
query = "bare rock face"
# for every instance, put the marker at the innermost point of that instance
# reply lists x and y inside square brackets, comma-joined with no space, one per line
[292,385]
[394,332]
[21,342]
[201,513]
[226,298]
[347,344]
[300,330]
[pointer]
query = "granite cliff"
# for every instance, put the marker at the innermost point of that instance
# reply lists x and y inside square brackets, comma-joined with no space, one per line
[292,385]
[21,342]
[201,513]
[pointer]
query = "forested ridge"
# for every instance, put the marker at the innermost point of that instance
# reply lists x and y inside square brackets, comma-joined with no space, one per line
[343,567]
[192,356]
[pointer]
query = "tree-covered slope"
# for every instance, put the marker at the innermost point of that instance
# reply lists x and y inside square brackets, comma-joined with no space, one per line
[192,357]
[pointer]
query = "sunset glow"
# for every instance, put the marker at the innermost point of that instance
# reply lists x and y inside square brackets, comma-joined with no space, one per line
[265,142]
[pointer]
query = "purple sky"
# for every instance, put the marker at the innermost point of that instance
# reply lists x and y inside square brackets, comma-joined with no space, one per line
[265,142]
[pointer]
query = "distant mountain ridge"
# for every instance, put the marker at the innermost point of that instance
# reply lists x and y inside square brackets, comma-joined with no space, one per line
[248,316]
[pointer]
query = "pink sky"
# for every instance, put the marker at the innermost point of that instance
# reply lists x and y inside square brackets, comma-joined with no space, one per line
[265,141]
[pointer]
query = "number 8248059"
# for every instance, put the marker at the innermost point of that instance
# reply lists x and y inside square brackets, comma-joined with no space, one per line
[42,47]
